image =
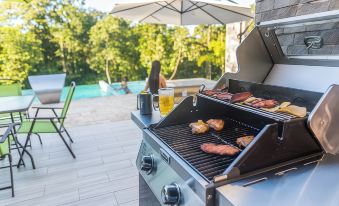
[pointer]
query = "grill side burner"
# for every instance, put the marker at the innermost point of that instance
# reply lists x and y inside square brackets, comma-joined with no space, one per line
[275,142]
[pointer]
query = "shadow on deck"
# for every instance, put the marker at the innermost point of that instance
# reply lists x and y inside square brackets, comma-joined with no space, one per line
[104,172]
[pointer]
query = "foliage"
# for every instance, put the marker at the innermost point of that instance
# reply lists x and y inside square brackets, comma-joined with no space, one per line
[63,36]
[18,53]
[113,48]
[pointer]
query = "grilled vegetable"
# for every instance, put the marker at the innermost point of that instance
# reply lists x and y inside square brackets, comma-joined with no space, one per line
[250,100]
[294,110]
[285,104]
[199,127]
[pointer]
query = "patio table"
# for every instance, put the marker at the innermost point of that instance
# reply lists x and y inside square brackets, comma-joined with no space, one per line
[19,104]
[15,104]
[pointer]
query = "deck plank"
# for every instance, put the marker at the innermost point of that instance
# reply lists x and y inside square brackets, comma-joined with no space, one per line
[104,171]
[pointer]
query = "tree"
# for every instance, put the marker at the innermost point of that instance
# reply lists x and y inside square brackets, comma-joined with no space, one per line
[155,43]
[62,29]
[112,47]
[180,47]
[210,48]
[70,32]
[18,53]
[64,36]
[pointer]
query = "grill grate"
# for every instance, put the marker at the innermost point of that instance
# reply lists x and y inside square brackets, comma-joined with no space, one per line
[275,115]
[181,140]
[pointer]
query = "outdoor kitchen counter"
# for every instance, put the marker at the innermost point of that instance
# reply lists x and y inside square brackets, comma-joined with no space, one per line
[313,185]
[143,121]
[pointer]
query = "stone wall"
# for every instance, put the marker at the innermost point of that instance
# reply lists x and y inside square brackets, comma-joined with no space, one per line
[291,39]
[276,9]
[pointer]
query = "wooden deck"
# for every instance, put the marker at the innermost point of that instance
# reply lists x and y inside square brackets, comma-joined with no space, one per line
[104,172]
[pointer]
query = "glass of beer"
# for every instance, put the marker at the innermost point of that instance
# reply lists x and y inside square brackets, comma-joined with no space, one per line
[166,100]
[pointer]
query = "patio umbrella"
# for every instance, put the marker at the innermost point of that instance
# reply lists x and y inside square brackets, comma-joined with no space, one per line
[20,1]
[182,12]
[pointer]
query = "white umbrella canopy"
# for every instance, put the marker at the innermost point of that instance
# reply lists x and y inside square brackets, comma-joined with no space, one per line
[19,1]
[182,12]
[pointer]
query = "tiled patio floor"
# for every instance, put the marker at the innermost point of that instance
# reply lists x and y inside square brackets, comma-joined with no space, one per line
[103,173]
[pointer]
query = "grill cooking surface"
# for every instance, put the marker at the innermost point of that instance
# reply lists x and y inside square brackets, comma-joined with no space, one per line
[275,115]
[181,140]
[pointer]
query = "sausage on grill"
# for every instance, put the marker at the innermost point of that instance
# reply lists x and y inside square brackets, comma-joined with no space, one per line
[224,96]
[211,92]
[240,97]
[265,104]
[219,149]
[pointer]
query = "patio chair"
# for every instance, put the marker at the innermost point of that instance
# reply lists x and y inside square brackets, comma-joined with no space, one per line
[53,124]
[7,90]
[5,151]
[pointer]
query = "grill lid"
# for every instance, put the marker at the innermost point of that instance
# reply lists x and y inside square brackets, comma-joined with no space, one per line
[324,120]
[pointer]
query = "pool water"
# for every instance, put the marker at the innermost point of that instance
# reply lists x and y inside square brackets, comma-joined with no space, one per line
[91,91]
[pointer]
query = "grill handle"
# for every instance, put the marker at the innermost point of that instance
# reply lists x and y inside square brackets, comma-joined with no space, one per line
[202,88]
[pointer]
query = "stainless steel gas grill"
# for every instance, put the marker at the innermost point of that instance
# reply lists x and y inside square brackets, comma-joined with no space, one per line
[175,171]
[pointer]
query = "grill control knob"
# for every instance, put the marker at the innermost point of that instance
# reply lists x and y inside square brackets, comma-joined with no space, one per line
[170,194]
[147,163]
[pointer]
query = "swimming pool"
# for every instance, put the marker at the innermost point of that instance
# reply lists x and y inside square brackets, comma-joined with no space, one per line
[91,91]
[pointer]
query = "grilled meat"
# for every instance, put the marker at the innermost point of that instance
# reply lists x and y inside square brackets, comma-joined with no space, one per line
[199,127]
[211,92]
[240,97]
[216,124]
[265,103]
[224,96]
[244,141]
[256,100]
[219,149]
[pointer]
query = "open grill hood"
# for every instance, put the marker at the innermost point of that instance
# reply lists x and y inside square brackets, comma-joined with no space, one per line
[302,53]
